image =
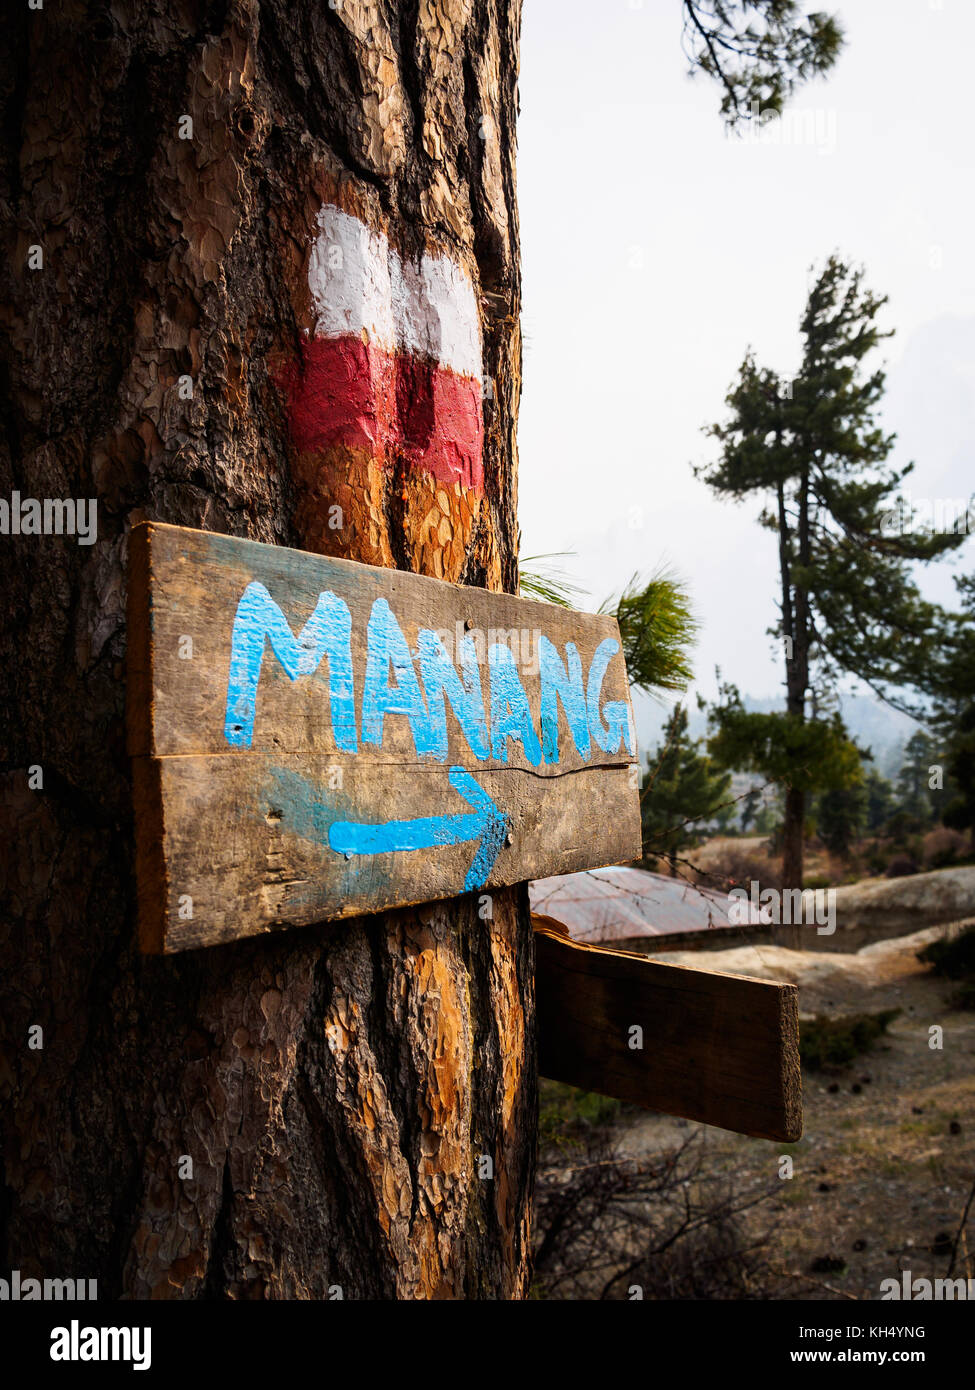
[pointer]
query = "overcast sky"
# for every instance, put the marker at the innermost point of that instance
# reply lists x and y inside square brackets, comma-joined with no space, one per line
[656,249]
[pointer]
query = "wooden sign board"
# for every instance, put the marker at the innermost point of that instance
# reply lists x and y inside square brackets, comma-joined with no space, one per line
[721,1049]
[314,738]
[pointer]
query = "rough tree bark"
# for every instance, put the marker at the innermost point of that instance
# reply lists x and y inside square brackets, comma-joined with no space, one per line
[333,1086]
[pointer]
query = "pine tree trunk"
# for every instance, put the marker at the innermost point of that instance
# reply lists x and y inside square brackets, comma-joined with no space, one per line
[795,608]
[792,842]
[315,1163]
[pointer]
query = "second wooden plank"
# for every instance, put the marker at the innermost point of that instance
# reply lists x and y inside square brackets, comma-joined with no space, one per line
[722,1049]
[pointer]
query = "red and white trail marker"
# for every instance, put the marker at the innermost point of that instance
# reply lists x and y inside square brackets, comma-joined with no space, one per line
[393,366]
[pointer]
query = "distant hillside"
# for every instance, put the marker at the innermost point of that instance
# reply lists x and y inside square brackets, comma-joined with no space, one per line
[871,723]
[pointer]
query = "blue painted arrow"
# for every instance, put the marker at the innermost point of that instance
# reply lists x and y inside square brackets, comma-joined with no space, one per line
[486,822]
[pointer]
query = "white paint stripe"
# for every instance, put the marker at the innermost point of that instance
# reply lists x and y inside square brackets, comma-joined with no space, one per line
[349,279]
[358,281]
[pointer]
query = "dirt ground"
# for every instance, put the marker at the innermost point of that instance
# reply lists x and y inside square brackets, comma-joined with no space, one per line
[887,1158]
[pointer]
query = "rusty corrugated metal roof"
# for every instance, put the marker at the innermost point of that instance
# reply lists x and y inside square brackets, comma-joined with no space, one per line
[617,903]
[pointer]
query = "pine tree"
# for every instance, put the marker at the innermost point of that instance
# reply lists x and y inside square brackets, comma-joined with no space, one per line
[812,446]
[169,162]
[880,800]
[913,779]
[759,50]
[951,682]
[173,160]
[682,790]
[959,813]
[841,814]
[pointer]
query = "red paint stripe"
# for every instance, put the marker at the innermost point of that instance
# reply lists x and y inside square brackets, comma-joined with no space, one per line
[394,406]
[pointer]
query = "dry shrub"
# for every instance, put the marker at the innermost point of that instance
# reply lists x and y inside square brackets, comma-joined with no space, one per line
[942,846]
[605,1222]
[827,1043]
[952,956]
[900,866]
[729,867]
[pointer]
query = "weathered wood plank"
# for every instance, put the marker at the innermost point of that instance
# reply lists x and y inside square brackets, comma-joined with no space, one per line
[185,590]
[721,1049]
[306,747]
[235,840]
